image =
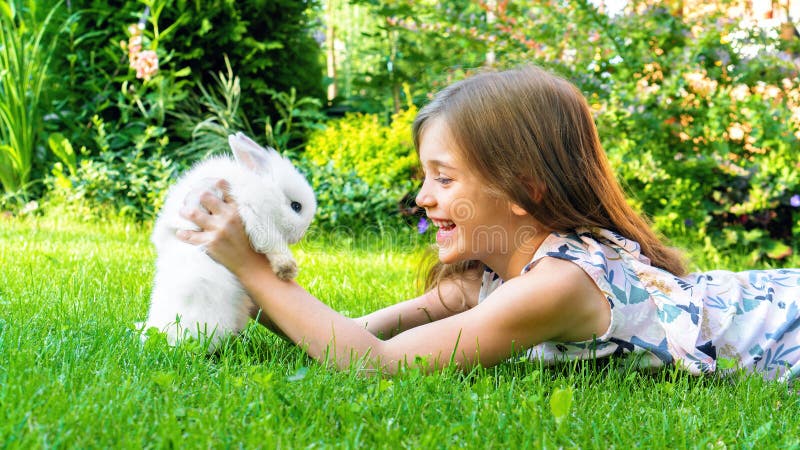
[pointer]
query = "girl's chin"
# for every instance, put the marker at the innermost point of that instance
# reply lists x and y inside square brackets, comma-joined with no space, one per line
[449,252]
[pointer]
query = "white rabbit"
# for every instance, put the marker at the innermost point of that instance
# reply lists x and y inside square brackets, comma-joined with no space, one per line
[192,294]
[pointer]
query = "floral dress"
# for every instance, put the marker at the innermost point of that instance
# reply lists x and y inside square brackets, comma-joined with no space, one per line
[704,322]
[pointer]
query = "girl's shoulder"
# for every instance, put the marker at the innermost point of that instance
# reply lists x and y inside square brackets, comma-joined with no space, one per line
[558,286]
[577,303]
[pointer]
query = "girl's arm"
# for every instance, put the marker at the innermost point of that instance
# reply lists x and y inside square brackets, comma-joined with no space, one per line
[554,301]
[521,313]
[453,296]
[385,322]
[257,314]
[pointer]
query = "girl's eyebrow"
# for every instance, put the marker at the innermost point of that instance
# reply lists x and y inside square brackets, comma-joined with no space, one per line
[440,163]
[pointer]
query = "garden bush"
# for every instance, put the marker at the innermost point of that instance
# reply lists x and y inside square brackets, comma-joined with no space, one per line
[269,46]
[130,81]
[704,136]
[361,170]
[130,184]
[698,110]
[269,43]
[117,87]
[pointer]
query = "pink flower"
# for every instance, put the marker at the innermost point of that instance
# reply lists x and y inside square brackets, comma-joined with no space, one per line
[146,64]
[134,47]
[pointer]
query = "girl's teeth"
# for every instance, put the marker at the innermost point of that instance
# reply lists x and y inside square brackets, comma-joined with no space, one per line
[441,223]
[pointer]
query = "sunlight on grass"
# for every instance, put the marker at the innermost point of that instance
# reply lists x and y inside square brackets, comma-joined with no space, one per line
[73,372]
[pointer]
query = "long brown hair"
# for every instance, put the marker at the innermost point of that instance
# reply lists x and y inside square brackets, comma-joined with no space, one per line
[531,136]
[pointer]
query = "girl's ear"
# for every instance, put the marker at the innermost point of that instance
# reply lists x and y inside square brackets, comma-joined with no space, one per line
[538,194]
[536,190]
[518,210]
[250,154]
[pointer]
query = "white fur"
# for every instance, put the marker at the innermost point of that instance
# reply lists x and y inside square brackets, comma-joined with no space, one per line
[194,295]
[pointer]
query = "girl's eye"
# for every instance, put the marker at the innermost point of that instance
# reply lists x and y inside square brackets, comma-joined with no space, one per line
[444,180]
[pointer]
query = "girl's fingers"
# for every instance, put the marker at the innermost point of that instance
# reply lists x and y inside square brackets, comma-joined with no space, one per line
[196,215]
[191,237]
[224,187]
[206,213]
[213,204]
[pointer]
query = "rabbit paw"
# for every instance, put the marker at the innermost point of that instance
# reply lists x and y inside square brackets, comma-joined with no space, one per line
[285,267]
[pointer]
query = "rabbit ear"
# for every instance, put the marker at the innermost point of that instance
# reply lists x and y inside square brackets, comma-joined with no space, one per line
[250,154]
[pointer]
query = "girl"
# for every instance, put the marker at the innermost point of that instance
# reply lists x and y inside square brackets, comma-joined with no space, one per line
[538,250]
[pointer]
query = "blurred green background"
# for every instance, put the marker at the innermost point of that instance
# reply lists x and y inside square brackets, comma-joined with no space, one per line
[102,104]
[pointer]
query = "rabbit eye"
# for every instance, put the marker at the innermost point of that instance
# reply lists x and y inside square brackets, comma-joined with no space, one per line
[297,207]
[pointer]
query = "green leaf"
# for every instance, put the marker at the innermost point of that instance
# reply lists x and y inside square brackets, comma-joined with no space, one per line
[63,150]
[185,72]
[263,379]
[7,11]
[561,403]
[163,379]
[6,149]
[776,249]
[727,363]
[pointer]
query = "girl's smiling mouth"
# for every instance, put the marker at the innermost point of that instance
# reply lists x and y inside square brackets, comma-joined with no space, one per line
[446,229]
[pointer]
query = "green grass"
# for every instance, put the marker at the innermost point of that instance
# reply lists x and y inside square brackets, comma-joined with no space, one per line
[73,372]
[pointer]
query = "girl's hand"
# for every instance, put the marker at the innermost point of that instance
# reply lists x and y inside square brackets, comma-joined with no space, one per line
[221,234]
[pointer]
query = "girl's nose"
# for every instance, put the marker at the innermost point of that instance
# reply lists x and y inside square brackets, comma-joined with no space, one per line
[424,198]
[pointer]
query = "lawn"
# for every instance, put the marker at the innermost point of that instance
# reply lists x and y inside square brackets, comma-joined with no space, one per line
[73,372]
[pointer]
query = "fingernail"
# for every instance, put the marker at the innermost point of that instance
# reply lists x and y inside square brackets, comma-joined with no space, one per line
[182,234]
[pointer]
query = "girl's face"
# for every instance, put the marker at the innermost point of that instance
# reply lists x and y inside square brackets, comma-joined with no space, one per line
[473,223]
